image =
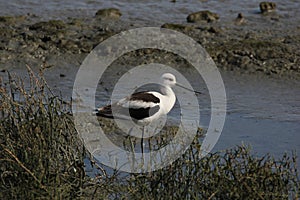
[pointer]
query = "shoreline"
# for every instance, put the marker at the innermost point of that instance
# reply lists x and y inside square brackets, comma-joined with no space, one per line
[57,43]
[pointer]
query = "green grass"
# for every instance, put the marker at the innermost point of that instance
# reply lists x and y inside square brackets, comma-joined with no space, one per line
[41,157]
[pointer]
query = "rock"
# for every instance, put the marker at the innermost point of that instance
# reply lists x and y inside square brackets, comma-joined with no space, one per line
[266,7]
[208,30]
[202,16]
[68,45]
[49,25]
[12,19]
[179,27]
[12,45]
[109,13]
[214,30]
[6,32]
[240,19]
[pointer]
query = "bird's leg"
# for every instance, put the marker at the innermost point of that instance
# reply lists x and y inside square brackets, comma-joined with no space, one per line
[149,143]
[130,140]
[142,140]
[131,144]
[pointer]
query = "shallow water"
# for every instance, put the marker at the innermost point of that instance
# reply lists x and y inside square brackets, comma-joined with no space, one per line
[262,111]
[153,12]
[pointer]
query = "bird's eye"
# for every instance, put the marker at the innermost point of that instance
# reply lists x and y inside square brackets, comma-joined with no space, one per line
[170,79]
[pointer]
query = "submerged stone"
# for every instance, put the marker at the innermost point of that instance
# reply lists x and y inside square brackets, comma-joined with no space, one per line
[266,7]
[109,13]
[180,27]
[240,19]
[202,16]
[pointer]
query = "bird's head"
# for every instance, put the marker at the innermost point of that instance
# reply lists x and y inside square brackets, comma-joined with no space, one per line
[168,79]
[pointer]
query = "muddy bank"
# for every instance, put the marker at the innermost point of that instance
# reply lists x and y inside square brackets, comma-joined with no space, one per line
[236,47]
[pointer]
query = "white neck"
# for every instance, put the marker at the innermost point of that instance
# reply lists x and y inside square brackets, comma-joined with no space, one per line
[166,90]
[169,98]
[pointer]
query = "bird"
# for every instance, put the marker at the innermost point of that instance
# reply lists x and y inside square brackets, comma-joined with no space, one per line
[146,106]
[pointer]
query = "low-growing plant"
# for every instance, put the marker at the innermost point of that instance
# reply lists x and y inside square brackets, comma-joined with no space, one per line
[40,153]
[234,174]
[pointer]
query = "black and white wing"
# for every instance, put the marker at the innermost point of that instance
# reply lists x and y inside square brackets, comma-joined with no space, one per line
[138,106]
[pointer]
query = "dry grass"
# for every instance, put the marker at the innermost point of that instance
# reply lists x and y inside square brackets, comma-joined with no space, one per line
[40,154]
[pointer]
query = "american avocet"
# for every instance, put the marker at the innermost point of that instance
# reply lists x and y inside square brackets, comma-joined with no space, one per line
[144,107]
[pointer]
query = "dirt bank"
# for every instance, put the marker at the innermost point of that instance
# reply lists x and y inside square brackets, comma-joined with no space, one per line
[236,46]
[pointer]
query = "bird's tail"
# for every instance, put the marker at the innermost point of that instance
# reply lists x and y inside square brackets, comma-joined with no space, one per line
[104,111]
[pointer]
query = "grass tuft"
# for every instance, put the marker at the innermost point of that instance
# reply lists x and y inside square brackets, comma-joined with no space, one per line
[40,153]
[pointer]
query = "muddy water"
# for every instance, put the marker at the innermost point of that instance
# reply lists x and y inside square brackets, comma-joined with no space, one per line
[263,112]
